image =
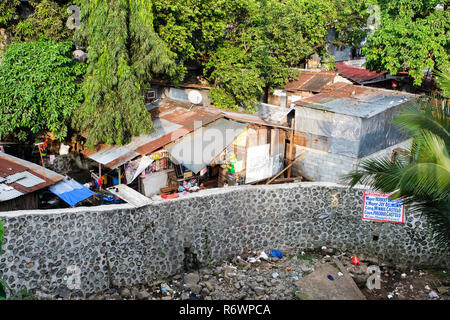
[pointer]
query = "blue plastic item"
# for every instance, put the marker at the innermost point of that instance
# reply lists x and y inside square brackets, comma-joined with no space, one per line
[71,192]
[331,278]
[276,254]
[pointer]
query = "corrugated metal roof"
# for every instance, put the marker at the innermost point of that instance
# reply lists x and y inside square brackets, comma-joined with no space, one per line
[348,99]
[199,148]
[311,81]
[131,196]
[172,121]
[358,75]
[19,177]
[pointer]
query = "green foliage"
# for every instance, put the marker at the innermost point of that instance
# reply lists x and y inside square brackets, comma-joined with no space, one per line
[443,80]
[414,36]
[124,51]
[8,11]
[422,176]
[48,19]
[38,89]
[263,44]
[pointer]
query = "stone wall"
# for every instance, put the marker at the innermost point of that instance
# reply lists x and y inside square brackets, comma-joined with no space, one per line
[120,245]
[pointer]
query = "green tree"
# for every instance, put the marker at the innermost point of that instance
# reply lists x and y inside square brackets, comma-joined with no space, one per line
[38,88]
[263,46]
[414,36]
[422,176]
[443,80]
[48,19]
[124,52]
[8,11]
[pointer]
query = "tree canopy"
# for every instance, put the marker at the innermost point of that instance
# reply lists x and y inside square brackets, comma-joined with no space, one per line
[413,36]
[38,88]
[124,51]
[249,47]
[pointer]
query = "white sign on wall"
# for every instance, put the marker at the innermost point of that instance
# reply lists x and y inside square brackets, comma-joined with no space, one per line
[378,207]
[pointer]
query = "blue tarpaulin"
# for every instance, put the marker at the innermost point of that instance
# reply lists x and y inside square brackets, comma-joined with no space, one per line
[71,191]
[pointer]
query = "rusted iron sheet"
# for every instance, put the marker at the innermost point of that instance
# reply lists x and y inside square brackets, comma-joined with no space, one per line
[23,176]
[358,75]
[172,121]
[311,81]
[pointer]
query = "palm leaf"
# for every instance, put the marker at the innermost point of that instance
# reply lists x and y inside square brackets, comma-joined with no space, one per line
[415,119]
[443,80]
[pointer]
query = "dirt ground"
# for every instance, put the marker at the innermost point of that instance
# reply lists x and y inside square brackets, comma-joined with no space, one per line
[414,285]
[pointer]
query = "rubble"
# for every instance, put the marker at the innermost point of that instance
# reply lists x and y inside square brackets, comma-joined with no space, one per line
[283,279]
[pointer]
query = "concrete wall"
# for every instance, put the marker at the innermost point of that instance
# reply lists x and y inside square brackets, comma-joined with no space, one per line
[120,245]
[319,165]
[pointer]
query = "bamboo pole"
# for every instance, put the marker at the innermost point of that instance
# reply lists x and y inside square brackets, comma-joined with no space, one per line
[290,165]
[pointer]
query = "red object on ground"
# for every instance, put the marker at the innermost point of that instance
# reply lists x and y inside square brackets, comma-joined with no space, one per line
[169,196]
[355,261]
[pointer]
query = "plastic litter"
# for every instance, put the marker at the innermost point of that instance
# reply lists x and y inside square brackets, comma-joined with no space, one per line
[340,274]
[324,248]
[276,254]
[330,277]
[288,269]
[295,278]
[433,294]
[355,261]
[300,274]
[302,253]
[390,296]
[275,275]
[403,275]
[263,255]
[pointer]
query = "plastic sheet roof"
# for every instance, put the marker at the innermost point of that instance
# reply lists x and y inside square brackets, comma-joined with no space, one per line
[199,148]
[358,101]
[71,192]
[19,177]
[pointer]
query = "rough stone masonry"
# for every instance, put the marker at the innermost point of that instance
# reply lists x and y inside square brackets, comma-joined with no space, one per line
[118,245]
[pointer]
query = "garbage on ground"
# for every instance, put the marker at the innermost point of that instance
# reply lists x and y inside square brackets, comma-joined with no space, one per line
[390,296]
[433,294]
[263,255]
[276,254]
[300,274]
[324,248]
[295,278]
[340,274]
[403,275]
[288,269]
[330,277]
[355,261]
[427,287]
[275,275]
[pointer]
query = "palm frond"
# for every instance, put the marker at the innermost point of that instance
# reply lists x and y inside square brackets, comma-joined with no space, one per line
[381,173]
[443,80]
[415,119]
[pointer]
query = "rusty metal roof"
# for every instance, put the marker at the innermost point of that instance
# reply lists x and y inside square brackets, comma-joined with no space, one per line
[313,81]
[19,177]
[359,101]
[172,120]
[358,75]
